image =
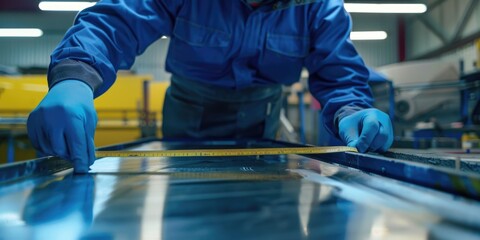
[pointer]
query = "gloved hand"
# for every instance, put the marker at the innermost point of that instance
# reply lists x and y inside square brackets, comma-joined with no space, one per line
[367,130]
[64,122]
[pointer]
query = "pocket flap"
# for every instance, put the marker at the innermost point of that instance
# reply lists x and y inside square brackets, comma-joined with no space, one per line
[198,35]
[289,45]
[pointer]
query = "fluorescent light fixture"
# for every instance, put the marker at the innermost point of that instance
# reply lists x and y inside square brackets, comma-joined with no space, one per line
[385,8]
[64,6]
[368,35]
[20,32]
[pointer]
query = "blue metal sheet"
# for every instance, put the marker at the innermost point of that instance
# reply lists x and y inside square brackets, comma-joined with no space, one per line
[267,197]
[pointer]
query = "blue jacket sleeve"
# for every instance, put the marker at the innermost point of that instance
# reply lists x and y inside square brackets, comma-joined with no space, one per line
[107,37]
[338,76]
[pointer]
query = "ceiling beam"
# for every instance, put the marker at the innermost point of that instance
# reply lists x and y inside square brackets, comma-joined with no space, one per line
[449,47]
[434,28]
[466,17]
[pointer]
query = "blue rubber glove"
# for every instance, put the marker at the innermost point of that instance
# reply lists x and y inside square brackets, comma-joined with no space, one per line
[367,130]
[64,122]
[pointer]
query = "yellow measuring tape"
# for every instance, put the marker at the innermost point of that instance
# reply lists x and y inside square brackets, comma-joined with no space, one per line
[225,152]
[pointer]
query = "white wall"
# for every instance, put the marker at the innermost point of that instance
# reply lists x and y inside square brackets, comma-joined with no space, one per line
[24,52]
[467,53]
[32,51]
[153,61]
[380,52]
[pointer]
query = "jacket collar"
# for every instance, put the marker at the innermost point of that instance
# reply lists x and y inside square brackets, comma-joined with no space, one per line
[284,4]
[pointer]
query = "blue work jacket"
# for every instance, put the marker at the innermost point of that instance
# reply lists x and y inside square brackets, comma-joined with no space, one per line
[223,42]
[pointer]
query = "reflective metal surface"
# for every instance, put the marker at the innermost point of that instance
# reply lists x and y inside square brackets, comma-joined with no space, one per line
[269,197]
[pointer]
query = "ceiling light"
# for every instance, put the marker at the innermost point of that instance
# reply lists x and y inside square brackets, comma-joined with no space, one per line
[20,32]
[385,8]
[368,35]
[64,6]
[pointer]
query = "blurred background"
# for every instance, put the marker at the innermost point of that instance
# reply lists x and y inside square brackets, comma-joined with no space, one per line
[424,62]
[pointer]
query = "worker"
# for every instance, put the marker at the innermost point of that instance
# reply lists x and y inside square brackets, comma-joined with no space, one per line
[228,61]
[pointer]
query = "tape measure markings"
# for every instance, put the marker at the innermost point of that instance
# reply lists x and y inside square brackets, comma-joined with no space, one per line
[224,152]
[215,175]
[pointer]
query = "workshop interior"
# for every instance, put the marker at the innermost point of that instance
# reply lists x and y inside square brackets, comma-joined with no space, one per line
[423,59]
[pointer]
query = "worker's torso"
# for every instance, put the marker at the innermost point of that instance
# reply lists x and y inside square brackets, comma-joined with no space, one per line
[230,44]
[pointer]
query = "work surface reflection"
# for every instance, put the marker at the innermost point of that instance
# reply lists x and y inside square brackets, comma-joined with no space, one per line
[259,197]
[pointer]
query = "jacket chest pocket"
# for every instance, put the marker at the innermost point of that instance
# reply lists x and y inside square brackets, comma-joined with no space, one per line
[194,43]
[288,45]
[284,56]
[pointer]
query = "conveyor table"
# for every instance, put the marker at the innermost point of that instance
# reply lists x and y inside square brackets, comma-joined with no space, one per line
[258,197]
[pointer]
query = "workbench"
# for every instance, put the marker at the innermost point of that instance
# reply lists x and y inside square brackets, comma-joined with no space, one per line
[327,196]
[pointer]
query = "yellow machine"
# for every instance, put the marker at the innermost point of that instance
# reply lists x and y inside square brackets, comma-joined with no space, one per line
[477,43]
[133,103]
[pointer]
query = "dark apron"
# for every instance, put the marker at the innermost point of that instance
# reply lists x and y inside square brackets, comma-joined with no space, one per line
[202,111]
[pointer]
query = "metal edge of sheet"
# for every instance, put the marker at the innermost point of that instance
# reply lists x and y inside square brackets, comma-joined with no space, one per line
[444,179]
[451,207]
[31,168]
[439,178]
[449,161]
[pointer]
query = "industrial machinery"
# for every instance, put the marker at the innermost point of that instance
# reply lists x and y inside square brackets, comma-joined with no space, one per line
[436,104]
[325,196]
[417,87]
